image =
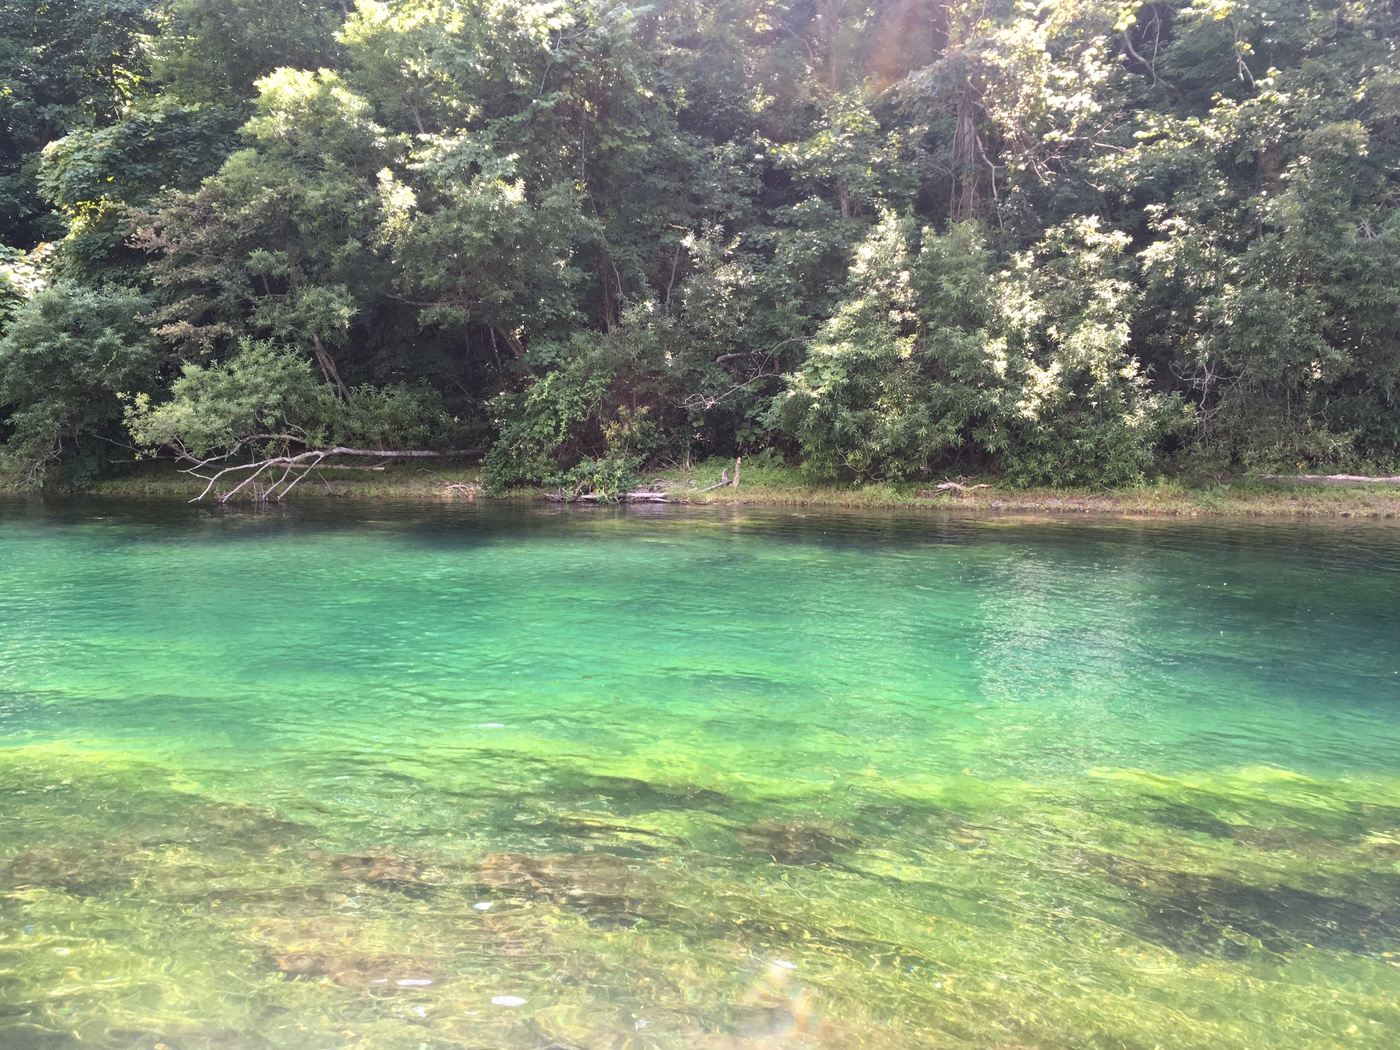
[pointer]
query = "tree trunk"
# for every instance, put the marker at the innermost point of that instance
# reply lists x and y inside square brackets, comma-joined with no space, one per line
[328,369]
[966,146]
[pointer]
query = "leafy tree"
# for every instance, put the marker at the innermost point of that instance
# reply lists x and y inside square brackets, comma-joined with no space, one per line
[263,421]
[267,397]
[64,64]
[891,238]
[473,249]
[94,176]
[1073,405]
[277,243]
[1270,211]
[68,356]
[860,402]
[211,53]
[22,276]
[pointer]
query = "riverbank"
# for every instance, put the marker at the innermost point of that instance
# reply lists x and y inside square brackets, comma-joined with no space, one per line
[785,486]
[1177,497]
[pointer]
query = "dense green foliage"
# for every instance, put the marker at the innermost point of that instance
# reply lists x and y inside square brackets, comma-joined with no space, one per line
[1072,242]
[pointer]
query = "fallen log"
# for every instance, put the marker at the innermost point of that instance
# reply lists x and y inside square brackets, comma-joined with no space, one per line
[722,482]
[724,479]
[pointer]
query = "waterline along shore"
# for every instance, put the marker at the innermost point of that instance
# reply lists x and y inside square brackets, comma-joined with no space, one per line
[786,486]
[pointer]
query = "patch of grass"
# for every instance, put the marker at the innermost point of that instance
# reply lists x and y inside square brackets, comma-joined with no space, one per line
[1187,497]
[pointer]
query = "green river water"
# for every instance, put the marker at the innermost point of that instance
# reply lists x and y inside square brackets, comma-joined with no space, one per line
[462,776]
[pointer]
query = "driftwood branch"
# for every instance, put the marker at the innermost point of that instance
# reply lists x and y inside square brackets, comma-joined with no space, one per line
[640,496]
[237,488]
[292,484]
[295,468]
[953,486]
[724,479]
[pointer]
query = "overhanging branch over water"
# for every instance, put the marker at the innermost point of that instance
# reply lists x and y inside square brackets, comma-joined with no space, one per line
[296,467]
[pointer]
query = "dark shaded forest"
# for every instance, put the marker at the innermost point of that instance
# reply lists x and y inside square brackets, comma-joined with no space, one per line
[1073,243]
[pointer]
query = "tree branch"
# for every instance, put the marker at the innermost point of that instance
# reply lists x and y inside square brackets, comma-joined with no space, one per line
[306,462]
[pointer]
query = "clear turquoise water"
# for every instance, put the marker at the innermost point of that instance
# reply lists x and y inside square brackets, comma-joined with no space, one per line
[342,774]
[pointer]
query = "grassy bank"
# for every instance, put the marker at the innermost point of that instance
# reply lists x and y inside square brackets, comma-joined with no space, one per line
[1189,497]
[786,486]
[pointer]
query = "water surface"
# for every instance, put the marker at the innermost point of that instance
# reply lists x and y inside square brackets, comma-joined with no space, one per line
[500,776]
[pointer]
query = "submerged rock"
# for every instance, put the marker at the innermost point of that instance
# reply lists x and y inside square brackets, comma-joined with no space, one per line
[376,867]
[1197,913]
[285,935]
[388,870]
[1275,838]
[588,826]
[374,970]
[245,826]
[629,794]
[211,826]
[85,871]
[792,842]
[36,1037]
[522,937]
[599,884]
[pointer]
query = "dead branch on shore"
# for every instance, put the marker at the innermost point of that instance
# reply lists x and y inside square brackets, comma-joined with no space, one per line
[724,477]
[723,481]
[648,495]
[640,496]
[954,486]
[295,468]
